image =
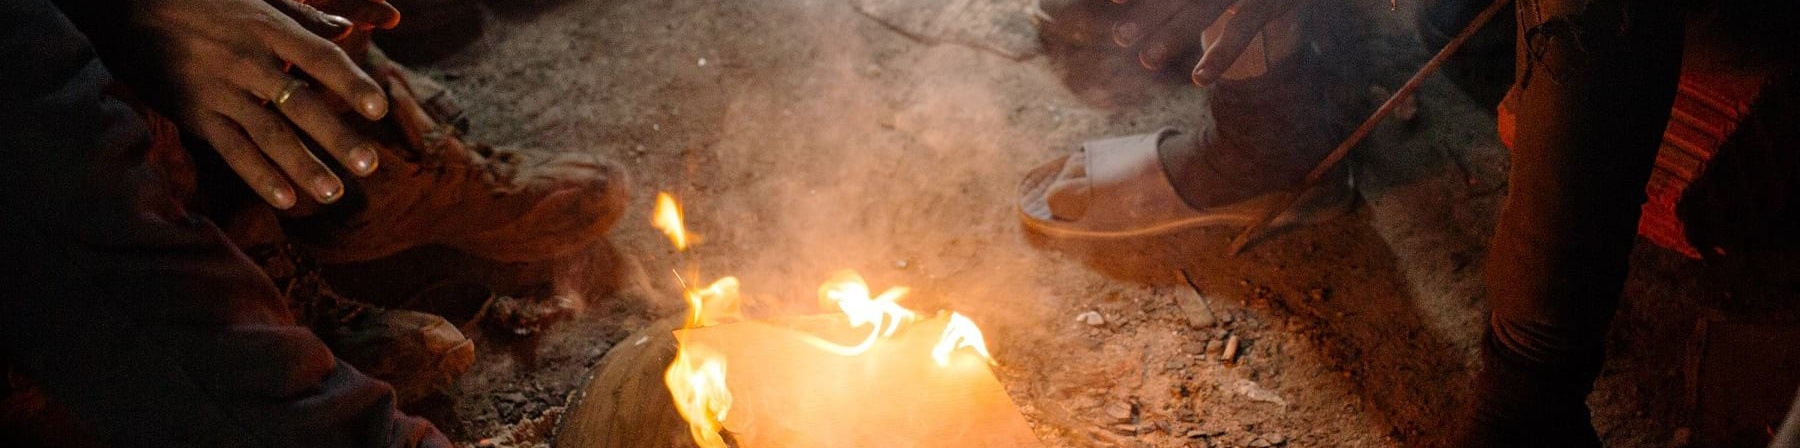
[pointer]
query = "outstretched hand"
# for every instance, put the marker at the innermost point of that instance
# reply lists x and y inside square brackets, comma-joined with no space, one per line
[242,74]
[1159,28]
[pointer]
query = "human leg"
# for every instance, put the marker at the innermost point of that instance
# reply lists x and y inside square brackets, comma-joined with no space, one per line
[135,314]
[1595,81]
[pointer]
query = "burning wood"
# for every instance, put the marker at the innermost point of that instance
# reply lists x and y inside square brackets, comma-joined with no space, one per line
[872,374]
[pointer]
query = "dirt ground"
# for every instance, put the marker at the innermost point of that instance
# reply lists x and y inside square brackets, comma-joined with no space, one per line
[805,136]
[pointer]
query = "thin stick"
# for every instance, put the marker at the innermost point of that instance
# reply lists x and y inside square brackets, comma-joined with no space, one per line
[1337,155]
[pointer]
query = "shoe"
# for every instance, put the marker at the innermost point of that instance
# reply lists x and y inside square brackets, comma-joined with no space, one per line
[1128,195]
[434,188]
[1268,132]
[418,354]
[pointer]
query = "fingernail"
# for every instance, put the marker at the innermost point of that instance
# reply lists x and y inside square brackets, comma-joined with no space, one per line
[329,189]
[339,20]
[1152,57]
[1125,34]
[363,160]
[281,197]
[1204,77]
[374,107]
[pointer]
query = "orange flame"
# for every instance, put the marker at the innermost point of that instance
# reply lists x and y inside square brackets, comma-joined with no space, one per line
[960,333]
[715,304]
[850,294]
[696,378]
[668,218]
[696,381]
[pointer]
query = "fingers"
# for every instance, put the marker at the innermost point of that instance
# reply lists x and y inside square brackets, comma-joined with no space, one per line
[277,141]
[366,13]
[415,123]
[1238,33]
[329,65]
[306,109]
[319,23]
[1145,18]
[1164,31]
[1181,37]
[243,157]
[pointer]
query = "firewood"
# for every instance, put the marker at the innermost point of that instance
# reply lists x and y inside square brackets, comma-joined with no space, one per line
[625,404]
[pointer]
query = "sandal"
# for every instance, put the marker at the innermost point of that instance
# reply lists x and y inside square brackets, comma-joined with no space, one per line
[1131,196]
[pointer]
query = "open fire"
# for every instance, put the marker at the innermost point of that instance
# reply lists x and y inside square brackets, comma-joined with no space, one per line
[698,377]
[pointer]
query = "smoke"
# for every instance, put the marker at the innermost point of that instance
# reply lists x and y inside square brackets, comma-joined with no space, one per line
[860,149]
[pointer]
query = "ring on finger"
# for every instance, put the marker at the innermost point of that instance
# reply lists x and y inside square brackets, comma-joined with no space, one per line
[287,91]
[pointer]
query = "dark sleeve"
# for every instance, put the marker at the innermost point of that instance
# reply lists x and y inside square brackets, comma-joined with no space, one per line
[138,317]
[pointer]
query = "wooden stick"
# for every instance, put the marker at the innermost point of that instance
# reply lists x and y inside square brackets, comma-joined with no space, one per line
[1387,108]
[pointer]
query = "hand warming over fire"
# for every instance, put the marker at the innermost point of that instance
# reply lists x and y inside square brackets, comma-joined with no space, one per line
[1161,29]
[220,64]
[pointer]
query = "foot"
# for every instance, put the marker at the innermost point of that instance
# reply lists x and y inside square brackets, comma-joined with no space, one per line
[1268,133]
[1124,188]
[434,188]
[418,354]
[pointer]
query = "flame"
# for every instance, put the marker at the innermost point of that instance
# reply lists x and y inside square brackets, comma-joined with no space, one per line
[961,332]
[696,381]
[668,218]
[850,294]
[715,304]
[696,378]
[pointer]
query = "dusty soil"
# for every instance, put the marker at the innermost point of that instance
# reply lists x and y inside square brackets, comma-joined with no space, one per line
[806,137]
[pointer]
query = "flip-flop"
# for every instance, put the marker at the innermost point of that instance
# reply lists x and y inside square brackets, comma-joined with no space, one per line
[1131,197]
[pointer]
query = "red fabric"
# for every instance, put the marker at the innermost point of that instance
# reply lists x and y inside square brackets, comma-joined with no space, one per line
[1708,108]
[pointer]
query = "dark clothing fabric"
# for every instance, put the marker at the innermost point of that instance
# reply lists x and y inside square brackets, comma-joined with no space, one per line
[137,316]
[1594,83]
[1267,131]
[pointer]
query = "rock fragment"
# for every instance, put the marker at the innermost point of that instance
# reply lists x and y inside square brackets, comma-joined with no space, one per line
[1092,318]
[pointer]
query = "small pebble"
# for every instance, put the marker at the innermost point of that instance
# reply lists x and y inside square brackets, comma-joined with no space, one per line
[1274,439]
[1119,411]
[1092,318]
[1260,443]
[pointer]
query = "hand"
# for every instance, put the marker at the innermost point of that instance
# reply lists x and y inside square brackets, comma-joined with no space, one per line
[1161,28]
[365,14]
[222,64]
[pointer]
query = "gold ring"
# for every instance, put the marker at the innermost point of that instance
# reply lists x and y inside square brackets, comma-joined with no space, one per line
[287,91]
